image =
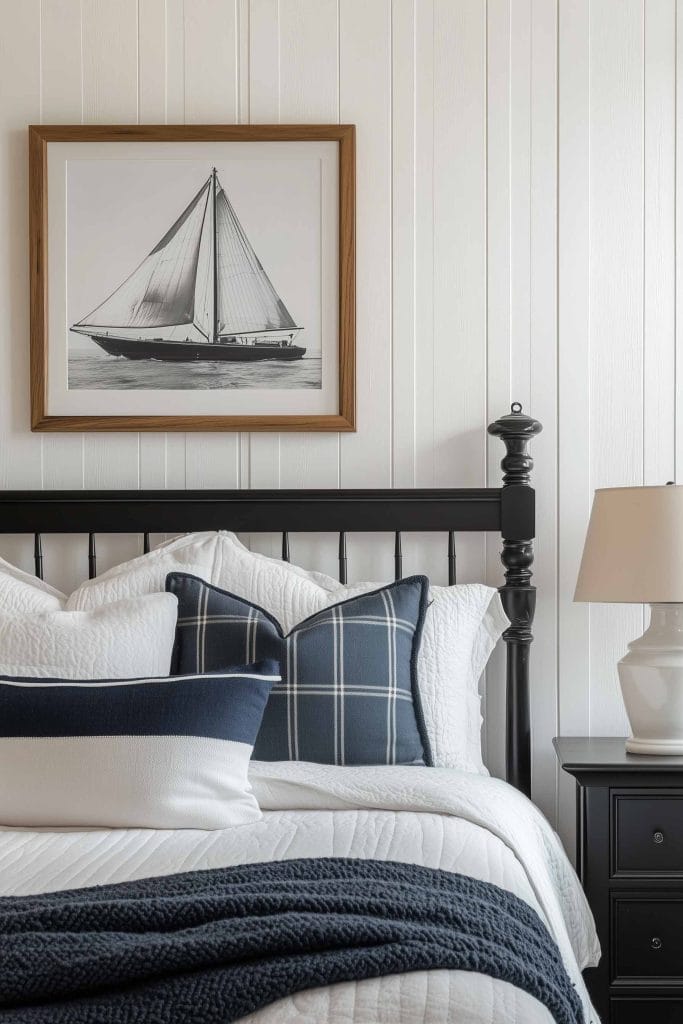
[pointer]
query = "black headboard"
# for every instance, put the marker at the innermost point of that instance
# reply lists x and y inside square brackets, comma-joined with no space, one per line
[508,510]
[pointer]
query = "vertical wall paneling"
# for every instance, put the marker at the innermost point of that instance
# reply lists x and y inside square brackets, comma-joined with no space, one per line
[659,219]
[459,176]
[424,242]
[152,61]
[404,263]
[175,61]
[573,354]
[110,61]
[211,61]
[403,313]
[20,453]
[520,127]
[678,231]
[365,98]
[426,552]
[498,316]
[616,304]
[543,399]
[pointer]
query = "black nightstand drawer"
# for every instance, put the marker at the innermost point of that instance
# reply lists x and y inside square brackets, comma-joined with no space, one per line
[648,833]
[630,860]
[647,937]
[638,1011]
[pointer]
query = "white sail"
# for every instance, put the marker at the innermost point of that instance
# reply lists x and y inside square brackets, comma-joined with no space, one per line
[247,301]
[161,291]
[203,270]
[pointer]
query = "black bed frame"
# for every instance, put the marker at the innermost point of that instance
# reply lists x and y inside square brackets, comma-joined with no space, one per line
[508,510]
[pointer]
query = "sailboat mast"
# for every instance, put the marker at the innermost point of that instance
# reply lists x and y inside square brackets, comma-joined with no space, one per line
[214,185]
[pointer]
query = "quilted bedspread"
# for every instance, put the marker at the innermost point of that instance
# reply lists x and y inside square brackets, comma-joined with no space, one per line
[215,945]
[440,818]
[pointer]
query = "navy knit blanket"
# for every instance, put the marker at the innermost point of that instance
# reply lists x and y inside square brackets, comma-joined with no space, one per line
[212,946]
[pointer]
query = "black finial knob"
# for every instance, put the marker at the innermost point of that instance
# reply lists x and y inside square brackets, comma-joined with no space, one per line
[515,423]
[515,430]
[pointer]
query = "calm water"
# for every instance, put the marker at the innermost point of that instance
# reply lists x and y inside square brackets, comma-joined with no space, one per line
[99,371]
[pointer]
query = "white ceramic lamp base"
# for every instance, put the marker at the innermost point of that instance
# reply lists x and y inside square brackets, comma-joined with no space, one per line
[651,677]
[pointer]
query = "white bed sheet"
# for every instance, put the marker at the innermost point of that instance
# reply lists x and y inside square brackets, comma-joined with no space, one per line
[437,817]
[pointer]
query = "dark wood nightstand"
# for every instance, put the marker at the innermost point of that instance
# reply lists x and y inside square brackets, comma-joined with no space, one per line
[630,861]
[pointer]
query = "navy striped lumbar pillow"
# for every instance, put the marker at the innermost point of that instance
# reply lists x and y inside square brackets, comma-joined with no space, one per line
[169,752]
[349,691]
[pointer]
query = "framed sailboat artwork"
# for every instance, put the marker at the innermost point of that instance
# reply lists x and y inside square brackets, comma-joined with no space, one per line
[192,277]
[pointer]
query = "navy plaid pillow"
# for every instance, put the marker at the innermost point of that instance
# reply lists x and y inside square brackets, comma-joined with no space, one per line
[349,680]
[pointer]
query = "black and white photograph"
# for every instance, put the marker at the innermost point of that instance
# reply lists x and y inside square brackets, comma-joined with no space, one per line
[182,298]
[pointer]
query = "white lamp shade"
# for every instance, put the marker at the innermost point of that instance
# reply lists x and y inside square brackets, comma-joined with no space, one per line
[634,546]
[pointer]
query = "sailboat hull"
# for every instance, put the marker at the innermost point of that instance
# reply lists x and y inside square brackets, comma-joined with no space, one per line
[191,352]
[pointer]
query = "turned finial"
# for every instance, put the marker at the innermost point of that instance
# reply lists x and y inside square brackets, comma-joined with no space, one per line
[515,430]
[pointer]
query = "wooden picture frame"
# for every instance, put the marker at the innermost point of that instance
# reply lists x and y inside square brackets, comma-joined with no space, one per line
[45,416]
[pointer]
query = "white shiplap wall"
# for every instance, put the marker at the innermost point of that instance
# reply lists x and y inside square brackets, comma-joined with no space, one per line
[517,214]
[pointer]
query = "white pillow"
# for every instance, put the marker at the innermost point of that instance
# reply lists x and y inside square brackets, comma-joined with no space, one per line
[461,628]
[131,753]
[21,592]
[198,554]
[132,637]
[287,591]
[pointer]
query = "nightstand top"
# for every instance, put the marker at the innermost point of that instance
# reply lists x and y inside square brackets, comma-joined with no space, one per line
[607,753]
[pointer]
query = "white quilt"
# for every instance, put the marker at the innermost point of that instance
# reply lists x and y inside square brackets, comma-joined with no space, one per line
[437,817]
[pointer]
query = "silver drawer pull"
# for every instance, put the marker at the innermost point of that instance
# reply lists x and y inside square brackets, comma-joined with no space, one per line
[655,943]
[658,837]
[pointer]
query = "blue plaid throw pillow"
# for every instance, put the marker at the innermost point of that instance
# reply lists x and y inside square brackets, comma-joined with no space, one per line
[349,681]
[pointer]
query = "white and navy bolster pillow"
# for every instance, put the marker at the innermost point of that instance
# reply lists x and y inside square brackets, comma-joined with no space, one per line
[163,752]
[349,673]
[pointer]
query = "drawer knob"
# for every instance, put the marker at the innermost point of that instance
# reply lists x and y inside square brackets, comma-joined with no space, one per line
[655,943]
[658,837]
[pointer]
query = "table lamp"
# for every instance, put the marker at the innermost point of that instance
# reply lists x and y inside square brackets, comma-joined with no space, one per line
[634,553]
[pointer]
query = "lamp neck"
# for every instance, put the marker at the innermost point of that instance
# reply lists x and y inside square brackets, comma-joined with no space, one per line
[666,622]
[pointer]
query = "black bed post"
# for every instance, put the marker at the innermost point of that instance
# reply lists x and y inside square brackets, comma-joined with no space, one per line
[517,594]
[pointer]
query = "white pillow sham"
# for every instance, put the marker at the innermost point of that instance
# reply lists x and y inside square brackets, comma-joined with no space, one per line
[461,628]
[121,639]
[23,593]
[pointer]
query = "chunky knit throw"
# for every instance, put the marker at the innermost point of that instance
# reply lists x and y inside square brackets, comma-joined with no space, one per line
[212,946]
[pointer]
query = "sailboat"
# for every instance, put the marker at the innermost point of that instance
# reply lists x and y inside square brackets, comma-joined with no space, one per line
[202,274]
